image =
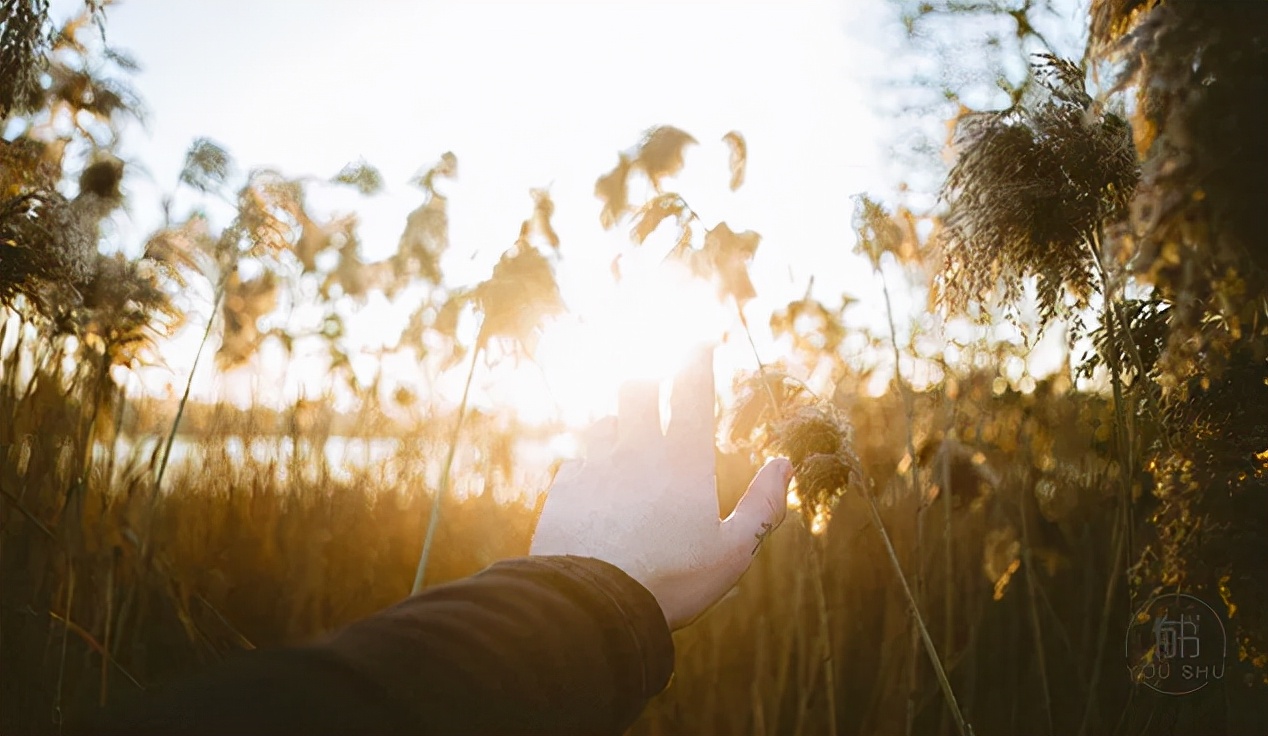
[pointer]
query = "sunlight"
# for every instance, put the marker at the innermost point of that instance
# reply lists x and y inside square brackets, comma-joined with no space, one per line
[645,327]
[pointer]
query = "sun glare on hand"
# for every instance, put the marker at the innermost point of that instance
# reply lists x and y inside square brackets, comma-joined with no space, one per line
[643,327]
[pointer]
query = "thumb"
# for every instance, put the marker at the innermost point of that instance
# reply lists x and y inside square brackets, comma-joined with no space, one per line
[760,510]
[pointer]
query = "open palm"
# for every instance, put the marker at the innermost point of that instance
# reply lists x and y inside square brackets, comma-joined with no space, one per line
[646,500]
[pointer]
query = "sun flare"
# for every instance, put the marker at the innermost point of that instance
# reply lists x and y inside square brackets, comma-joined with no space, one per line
[642,328]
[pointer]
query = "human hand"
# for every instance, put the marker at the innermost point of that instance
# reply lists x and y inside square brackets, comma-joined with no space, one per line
[646,501]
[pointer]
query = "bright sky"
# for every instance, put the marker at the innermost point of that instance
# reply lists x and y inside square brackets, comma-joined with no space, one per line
[530,95]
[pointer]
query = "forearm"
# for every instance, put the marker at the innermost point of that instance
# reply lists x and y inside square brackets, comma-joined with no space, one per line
[531,645]
[538,645]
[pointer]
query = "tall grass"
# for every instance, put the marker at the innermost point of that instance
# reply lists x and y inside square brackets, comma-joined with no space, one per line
[251,553]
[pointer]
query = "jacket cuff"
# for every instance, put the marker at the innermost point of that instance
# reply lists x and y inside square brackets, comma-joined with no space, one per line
[644,619]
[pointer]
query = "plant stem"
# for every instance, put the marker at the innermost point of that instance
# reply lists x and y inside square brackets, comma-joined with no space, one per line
[1123,437]
[1037,630]
[97,397]
[913,685]
[828,678]
[443,489]
[947,494]
[761,366]
[125,608]
[180,408]
[105,644]
[61,665]
[961,725]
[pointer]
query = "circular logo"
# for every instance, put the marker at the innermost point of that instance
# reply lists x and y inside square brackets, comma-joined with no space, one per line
[1176,644]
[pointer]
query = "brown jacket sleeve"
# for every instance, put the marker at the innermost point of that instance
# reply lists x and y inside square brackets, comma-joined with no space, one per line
[536,645]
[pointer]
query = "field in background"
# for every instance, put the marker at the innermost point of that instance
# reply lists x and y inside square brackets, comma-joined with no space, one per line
[1013,580]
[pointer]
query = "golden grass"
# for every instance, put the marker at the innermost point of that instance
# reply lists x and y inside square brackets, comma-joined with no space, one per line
[245,553]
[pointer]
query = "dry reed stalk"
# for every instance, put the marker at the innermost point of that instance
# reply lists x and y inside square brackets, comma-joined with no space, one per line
[825,637]
[180,408]
[1036,629]
[105,635]
[61,663]
[829,682]
[443,487]
[948,634]
[962,726]
[125,608]
[94,645]
[31,517]
[1124,436]
[756,691]
[786,649]
[913,684]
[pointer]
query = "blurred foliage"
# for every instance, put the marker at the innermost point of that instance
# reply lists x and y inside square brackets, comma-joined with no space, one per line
[1194,70]
[1149,205]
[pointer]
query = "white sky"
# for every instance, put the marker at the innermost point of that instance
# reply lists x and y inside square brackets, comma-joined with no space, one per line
[529,95]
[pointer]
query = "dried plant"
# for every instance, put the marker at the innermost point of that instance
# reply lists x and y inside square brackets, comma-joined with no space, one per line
[819,441]
[29,165]
[270,209]
[354,277]
[514,303]
[1212,532]
[25,39]
[48,244]
[1148,322]
[1031,187]
[245,302]
[613,189]
[1196,72]
[361,176]
[727,254]
[814,435]
[126,309]
[543,210]
[82,91]
[517,299]
[235,558]
[43,250]
[813,327]
[426,235]
[654,212]
[739,157]
[207,165]
[658,155]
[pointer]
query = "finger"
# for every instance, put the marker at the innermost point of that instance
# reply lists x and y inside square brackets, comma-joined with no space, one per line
[691,420]
[638,411]
[599,438]
[566,471]
[759,512]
